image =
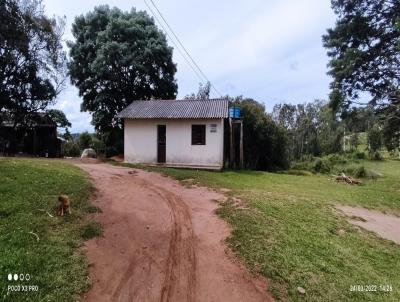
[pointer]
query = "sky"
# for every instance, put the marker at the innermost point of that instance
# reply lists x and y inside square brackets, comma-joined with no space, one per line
[267,50]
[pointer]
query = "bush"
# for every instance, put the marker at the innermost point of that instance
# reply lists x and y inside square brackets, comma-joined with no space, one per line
[71,149]
[337,159]
[322,165]
[84,140]
[357,171]
[359,155]
[360,172]
[375,156]
[112,151]
[98,145]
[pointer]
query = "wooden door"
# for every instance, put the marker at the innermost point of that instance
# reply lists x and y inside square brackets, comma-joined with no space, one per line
[161,143]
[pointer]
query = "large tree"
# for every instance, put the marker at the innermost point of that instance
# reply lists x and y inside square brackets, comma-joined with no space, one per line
[364,52]
[264,142]
[118,57]
[32,60]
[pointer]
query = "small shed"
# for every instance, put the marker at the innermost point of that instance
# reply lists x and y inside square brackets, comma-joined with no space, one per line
[35,136]
[180,133]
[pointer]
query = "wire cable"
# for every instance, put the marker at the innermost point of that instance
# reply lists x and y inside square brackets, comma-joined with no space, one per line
[181,44]
[180,51]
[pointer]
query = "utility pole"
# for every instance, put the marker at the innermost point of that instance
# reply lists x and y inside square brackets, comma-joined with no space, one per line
[241,145]
[231,150]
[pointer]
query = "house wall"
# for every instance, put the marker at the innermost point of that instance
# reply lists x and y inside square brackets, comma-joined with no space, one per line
[140,142]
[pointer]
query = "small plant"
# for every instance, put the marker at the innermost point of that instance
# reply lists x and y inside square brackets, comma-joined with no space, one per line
[91,230]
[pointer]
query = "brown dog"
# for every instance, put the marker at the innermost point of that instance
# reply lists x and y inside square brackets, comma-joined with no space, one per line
[64,205]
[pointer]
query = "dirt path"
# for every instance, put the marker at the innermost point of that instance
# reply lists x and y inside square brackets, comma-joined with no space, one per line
[385,225]
[162,242]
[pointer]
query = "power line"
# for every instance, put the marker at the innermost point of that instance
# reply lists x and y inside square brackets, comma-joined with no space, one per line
[177,47]
[184,48]
[180,43]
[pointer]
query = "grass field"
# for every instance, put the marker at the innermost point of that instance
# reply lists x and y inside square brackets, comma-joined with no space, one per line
[289,231]
[32,242]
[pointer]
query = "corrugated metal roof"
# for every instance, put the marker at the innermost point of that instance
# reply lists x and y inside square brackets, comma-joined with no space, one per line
[176,109]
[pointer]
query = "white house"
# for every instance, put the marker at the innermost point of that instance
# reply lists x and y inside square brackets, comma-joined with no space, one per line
[182,133]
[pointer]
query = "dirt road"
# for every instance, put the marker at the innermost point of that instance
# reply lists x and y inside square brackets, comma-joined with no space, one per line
[162,242]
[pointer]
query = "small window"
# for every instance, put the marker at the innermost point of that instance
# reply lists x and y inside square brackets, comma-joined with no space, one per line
[198,134]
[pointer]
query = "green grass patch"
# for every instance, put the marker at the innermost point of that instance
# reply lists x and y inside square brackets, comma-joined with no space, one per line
[31,241]
[290,234]
[93,209]
[91,230]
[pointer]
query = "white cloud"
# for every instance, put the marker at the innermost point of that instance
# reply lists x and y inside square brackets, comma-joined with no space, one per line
[244,47]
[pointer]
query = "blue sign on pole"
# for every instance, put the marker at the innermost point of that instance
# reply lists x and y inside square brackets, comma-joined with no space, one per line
[231,112]
[234,112]
[237,112]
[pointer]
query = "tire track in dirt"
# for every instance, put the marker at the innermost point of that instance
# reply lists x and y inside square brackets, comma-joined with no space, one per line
[162,243]
[180,269]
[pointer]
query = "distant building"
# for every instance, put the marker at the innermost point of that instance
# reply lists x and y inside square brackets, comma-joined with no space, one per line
[37,136]
[181,133]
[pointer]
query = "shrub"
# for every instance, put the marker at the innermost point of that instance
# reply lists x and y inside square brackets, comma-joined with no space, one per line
[337,159]
[84,140]
[322,165]
[356,171]
[98,145]
[359,155]
[71,148]
[375,155]
[360,172]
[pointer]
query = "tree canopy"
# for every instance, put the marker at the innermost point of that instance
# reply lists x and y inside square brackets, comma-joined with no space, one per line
[59,118]
[202,94]
[264,141]
[32,60]
[363,47]
[311,128]
[118,57]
